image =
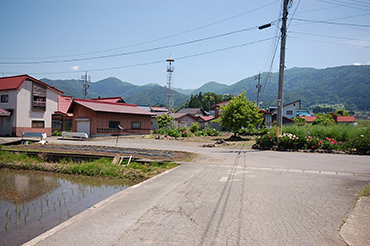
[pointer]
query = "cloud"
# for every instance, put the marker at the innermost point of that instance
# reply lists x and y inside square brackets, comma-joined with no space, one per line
[363,43]
[75,68]
[357,64]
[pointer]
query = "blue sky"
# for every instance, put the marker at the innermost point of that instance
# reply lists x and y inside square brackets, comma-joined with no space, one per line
[210,40]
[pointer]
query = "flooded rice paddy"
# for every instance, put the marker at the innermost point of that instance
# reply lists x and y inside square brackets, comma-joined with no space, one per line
[33,202]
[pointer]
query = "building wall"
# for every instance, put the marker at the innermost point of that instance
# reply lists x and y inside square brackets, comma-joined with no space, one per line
[7,122]
[292,108]
[25,114]
[101,120]
[184,121]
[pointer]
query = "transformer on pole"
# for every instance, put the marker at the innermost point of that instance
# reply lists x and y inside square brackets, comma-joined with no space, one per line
[169,90]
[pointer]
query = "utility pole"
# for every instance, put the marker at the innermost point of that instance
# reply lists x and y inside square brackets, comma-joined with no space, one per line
[279,121]
[258,86]
[86,79]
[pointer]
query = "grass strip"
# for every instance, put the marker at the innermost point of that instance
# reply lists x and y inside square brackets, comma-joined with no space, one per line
[101,168]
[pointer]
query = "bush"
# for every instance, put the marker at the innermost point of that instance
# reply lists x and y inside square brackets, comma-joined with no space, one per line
[267,140]
[56,133]
[194,127]
[290,141]
[360,143]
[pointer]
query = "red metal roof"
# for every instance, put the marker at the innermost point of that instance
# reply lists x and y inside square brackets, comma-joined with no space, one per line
[339,118]
[206,118]
[110,99]
[158,109]
[309,118]
[63,104]
[108,107]
[221,103]
[14,82]
[3,112]
[345,118]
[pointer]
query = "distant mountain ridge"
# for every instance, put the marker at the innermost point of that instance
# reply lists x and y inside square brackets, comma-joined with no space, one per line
[349,85]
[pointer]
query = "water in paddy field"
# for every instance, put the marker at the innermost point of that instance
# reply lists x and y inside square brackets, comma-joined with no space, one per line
[33,202]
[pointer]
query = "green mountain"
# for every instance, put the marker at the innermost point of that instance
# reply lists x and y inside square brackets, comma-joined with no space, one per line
[113,87]
[155,95]
[348,85]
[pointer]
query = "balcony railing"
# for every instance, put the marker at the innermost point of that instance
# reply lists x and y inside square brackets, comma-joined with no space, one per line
[41,104]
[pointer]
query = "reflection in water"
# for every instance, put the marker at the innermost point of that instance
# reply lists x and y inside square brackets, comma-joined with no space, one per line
[33,202]
[21,188]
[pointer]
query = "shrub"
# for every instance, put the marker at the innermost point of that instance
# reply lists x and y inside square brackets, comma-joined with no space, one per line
[360,143]
[290,141]
[268,140]
[324,119]
[194,127]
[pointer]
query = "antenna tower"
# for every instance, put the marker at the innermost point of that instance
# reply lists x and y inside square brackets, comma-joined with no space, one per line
[169,91]
[86,79]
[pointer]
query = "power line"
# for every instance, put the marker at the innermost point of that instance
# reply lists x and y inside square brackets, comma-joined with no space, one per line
[325,36]
[345,44]
[161,61]
[332,23]
[157,39]
[131,52]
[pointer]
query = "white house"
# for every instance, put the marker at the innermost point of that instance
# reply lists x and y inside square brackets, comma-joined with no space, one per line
[290,110]
[30,102]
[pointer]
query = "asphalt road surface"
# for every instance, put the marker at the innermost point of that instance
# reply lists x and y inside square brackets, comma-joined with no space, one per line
[226,196]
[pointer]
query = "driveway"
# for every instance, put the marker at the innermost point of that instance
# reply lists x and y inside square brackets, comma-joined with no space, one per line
[226,196]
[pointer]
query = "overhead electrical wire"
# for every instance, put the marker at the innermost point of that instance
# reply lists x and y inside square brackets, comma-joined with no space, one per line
[352,4]
[157,39]
[332,23]
[161,61]
[130,52]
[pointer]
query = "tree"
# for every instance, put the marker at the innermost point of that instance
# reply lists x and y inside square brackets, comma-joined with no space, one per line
[324,119]
[341,112]
[164,121]
[240,113]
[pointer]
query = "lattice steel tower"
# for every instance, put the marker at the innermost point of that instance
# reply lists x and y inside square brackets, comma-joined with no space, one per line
[169,91]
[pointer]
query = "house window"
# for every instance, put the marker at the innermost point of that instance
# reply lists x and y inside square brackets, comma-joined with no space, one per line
[38,124]
[38,97]
[4,98]
[289,112]
[135,125]
[113,124]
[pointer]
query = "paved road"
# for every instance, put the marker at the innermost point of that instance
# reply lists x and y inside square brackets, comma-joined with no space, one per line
[226,196]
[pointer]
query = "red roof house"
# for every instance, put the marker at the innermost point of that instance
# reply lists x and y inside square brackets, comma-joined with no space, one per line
[100,118]
[339,119]
[30,102]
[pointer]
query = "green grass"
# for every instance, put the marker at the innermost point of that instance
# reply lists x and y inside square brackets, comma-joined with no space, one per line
[102,168]
[365,191]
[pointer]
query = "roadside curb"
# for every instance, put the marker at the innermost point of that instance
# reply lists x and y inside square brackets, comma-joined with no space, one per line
[355,232]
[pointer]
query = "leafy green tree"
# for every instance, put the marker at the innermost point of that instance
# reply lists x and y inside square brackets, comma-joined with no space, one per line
[324,119]
[165,121]
[240,113]
[299,120]
[341,112]
[206,100]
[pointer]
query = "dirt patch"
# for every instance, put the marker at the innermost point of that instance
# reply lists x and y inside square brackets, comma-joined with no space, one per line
[150,154]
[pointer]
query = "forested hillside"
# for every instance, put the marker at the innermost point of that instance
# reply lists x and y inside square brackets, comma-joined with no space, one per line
[348,85]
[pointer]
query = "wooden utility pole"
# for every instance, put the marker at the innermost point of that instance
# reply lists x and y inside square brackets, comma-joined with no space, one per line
[279,121]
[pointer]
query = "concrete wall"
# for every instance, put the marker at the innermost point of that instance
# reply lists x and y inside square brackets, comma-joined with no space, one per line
[25,114]
[7,122]
[291,107]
